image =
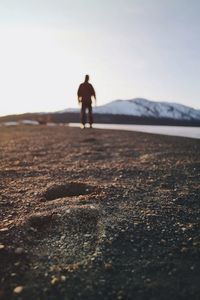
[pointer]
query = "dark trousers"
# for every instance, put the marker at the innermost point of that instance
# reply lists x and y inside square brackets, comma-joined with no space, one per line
[84,107]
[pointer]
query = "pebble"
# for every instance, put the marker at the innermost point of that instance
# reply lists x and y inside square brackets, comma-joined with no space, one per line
[18,290]
[87,235]
[2,246]
[19,250]
[33,229]
[63,278]
[163,242]
[184,250]
[4,229]
[63,237]
[54,281]
[108,266]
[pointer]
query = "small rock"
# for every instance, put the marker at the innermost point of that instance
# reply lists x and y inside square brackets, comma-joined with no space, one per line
[9,222]
[184,250]
[170,273]
[87,235]
[33,229]
[19,251]
[62,237]
[4,229]
[92,207]
[163,242]
[18,290]
[54,281]
[35,267]
[2,246]
[195,244]
[63,278]
[108,266]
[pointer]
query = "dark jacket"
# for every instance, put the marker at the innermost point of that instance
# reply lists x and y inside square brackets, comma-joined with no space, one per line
[86,91]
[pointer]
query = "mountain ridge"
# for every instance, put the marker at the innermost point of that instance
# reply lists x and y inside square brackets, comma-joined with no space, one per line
[133,111]
[140,107]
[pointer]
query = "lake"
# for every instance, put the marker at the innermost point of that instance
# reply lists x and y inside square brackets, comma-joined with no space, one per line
[190,132]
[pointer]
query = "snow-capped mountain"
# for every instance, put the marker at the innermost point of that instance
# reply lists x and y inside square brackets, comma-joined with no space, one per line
[145,108]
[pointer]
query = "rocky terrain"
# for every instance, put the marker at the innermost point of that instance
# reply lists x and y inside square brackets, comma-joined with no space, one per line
[96,214]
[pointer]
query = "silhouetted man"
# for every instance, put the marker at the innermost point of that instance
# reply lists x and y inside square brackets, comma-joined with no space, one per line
[85,94]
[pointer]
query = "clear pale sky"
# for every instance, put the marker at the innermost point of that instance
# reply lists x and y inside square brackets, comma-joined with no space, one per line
[130,48]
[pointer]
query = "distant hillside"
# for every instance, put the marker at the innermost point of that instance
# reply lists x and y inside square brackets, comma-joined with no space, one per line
[145,108]
[135,111]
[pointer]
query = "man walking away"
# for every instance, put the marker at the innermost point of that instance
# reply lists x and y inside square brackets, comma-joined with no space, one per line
[85,94]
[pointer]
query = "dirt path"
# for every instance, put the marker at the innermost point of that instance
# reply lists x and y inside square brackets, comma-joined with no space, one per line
[93,214]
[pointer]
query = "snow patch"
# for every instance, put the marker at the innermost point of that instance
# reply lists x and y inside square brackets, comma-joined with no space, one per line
[145,108]
[12,123]
[29,122]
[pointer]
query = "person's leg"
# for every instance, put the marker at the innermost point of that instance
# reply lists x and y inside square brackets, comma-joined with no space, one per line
[83,115]
[90,115]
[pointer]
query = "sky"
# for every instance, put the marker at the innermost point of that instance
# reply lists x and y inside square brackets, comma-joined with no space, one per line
[130,48]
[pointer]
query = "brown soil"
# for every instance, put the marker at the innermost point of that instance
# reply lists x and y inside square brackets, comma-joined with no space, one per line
[94,214]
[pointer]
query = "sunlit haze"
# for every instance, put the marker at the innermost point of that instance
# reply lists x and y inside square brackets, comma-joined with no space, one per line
[132,48]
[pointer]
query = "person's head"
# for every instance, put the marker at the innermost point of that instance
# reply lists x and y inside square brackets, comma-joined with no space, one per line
[87,78]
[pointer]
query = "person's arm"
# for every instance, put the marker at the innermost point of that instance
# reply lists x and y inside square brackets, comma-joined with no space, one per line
[95,99]
[79,94]
[94,95]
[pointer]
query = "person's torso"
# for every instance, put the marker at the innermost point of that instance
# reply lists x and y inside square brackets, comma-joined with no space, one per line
[86,90]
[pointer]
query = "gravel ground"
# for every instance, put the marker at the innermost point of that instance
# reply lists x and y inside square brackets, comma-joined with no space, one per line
[98,214]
